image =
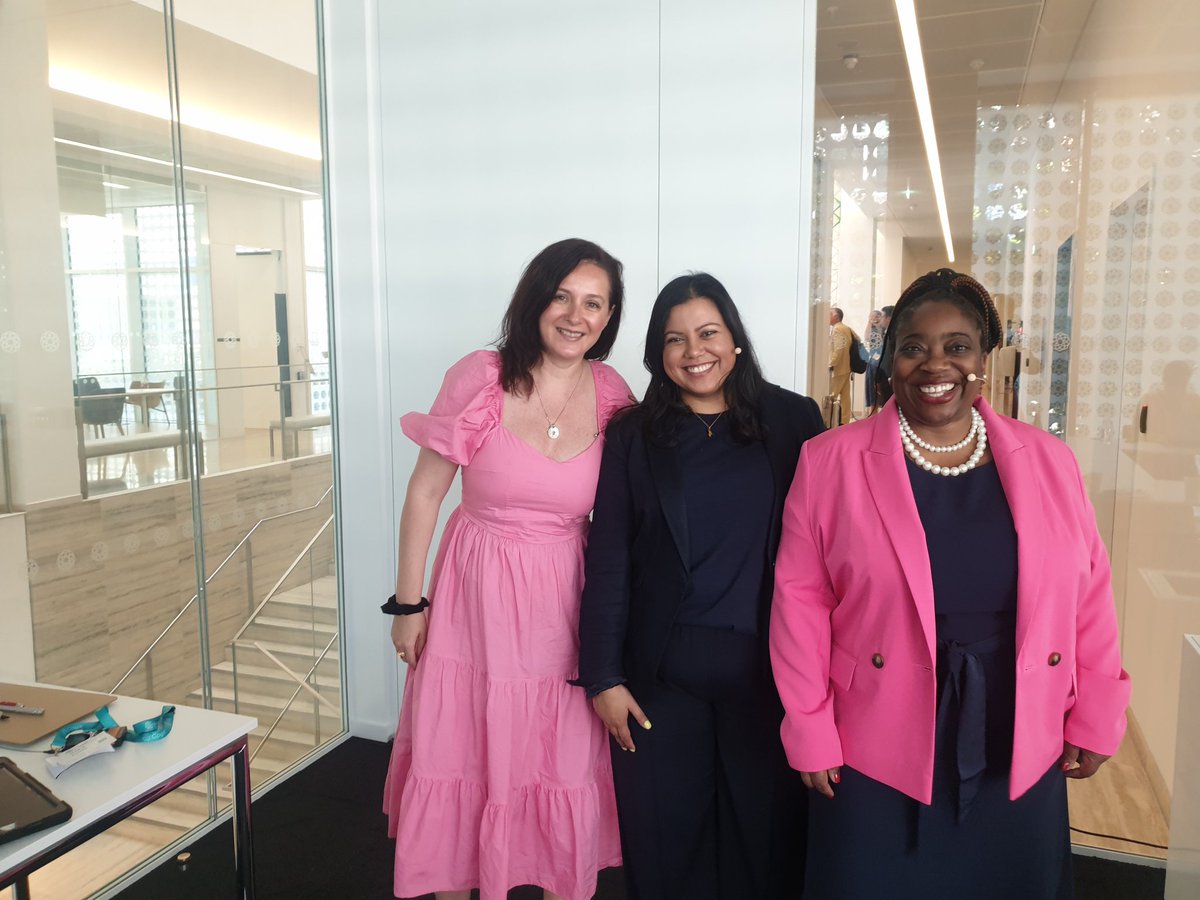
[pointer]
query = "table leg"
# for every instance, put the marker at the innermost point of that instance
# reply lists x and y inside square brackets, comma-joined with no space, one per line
[21,889]
[243,850]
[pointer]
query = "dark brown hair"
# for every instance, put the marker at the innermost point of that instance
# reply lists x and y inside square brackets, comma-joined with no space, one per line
[663,405]
[520,341]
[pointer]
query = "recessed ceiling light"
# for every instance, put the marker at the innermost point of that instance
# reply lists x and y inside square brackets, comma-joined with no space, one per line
[196,169]
[906,12]
[115,186]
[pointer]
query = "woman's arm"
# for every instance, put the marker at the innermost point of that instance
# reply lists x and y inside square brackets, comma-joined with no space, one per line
[427,487]
[801,637]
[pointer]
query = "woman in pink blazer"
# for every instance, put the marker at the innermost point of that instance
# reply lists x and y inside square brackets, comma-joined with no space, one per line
[943,635]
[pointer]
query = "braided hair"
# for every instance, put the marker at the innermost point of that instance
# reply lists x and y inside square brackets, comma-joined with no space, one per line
[945,286]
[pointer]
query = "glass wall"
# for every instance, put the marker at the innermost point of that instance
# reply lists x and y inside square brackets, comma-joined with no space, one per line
[165,400]
[1068,136]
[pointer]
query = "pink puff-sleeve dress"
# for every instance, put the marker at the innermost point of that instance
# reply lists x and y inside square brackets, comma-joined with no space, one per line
[500,772]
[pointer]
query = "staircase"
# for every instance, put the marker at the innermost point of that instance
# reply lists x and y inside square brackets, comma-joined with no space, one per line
[294,627]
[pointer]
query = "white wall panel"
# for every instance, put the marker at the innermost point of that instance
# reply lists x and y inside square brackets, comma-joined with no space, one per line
[673,134]
[1183,857]
[506,127]
[363,452]
[730,178]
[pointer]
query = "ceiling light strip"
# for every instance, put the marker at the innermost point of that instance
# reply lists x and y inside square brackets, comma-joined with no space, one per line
[906,12]
[194,169]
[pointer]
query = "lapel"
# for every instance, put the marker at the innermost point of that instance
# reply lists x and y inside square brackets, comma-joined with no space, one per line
[887,480]
[664,469]
[1014,465]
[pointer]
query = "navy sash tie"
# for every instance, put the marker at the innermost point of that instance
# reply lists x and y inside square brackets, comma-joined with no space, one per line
[964,700]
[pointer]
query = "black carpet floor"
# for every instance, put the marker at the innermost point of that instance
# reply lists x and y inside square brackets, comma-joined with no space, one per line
[322,834]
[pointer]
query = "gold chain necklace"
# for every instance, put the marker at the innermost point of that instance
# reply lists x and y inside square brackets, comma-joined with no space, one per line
[552,430]
[708,426]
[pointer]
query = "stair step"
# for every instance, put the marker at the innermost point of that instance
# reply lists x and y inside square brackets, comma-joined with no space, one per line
[285,651]
[265,678]
[266,708]
[300,607]
[291,631]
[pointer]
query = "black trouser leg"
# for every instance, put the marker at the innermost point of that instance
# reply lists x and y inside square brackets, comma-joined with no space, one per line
[666,801]
[708,805]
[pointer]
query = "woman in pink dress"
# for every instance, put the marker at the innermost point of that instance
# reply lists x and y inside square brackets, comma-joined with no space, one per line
[500,774]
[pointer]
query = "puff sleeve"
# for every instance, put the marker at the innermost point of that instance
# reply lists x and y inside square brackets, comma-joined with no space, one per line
[612,393]
[465,412]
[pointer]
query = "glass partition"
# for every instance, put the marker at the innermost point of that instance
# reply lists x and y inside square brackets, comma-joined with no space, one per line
[165,376]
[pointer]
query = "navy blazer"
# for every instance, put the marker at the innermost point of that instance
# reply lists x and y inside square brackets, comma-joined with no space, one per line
[636,571]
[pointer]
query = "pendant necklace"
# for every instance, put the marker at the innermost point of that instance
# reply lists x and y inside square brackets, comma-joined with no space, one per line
[708,426]
[552,429]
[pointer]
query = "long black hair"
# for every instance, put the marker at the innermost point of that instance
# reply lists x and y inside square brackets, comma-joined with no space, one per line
[520,341]
[946,286]
[663,408]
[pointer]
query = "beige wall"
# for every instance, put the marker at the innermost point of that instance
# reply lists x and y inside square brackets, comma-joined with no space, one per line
[106,575]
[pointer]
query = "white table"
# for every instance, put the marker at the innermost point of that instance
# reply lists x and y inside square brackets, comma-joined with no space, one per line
[1183,857]
[106,789]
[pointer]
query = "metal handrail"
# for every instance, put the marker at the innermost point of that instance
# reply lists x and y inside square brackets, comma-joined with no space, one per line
[282,578]
[292,699]
[301,680]
[217,570]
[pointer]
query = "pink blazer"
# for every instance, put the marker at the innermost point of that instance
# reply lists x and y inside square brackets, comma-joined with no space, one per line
[853,641]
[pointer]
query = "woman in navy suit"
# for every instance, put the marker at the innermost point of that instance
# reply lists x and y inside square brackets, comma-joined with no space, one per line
[673,627]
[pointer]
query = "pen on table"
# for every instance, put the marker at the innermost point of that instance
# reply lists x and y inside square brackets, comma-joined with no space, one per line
[10,706]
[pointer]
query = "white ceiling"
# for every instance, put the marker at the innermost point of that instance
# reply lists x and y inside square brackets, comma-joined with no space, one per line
[281,29]
[270,43]
[977,53]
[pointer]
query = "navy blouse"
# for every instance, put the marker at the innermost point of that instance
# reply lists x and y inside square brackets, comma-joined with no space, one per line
[728,490]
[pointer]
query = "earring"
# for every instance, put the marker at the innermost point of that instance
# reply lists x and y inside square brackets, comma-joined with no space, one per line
[737,351]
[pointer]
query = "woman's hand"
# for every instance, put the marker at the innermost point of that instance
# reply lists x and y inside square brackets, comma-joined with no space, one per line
[819,781]
[614,707]
[1080,763]
[408,635]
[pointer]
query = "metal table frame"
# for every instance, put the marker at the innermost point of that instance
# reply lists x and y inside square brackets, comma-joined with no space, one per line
[243,850]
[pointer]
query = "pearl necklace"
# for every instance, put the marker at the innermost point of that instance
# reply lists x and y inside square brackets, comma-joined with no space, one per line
[976,423]
[911,442]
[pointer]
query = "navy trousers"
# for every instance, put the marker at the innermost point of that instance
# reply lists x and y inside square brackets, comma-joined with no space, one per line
[709,808]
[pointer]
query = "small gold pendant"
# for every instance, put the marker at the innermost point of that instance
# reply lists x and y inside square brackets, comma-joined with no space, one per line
[709,430]
[553,432]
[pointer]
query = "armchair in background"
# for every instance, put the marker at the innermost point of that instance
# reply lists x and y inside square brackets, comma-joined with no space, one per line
[99,406]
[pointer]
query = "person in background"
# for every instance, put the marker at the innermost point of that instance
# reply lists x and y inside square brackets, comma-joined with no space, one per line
[499,775]
[937,699]
[673,630]
[876,329]
[840,340]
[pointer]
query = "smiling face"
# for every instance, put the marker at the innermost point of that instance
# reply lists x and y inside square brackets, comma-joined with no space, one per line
[937,347]
[698,354]
[576,315]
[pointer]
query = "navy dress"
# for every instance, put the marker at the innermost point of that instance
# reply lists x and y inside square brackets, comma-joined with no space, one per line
[872,841]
